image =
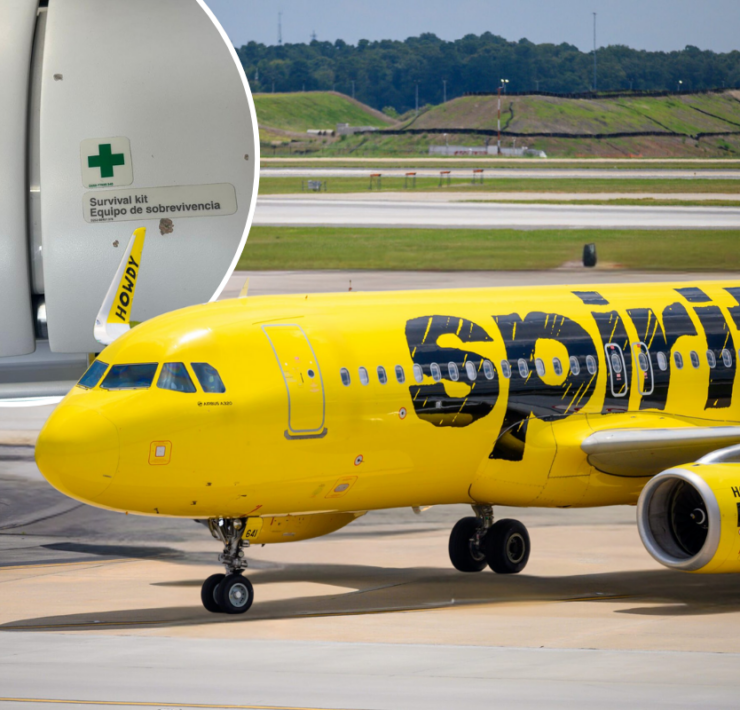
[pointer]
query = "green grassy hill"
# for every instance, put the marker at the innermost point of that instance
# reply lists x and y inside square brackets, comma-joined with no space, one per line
[688,114]
[678,119]
[298,112]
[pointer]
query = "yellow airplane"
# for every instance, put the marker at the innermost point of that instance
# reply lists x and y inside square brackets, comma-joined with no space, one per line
[277,419]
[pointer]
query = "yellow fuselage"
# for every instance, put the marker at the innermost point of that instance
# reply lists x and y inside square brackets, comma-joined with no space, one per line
[289,436]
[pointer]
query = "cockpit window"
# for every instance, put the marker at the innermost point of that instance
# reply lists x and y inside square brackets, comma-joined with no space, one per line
[175,377]
[208,377]
[129,377]
[93,374]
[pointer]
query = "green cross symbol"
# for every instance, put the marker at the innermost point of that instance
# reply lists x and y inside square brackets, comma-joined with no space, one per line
[105,160]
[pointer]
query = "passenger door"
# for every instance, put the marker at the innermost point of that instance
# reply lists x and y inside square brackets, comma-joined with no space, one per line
[302,376]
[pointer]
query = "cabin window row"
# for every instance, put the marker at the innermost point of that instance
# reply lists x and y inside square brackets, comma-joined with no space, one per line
[469,370]
[725,356]
[486,369]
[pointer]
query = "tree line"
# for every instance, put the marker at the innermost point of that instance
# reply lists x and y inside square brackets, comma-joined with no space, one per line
[388,73]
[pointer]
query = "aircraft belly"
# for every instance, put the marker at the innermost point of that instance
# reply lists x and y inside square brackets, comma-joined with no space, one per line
[518,483]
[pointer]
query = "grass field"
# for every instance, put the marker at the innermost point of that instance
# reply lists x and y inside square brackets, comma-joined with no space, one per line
[291,185]
[315,109]
[288,248]
[620,201]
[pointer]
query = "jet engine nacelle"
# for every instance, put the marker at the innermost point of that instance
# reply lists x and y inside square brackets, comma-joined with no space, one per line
[689,516]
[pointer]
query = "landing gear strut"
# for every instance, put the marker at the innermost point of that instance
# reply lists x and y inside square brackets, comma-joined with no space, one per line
[477,541]
[230,593]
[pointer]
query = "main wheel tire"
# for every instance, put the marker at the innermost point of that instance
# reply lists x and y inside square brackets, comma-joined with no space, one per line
[209,593]
[465,555]
[507,547]
[235,594]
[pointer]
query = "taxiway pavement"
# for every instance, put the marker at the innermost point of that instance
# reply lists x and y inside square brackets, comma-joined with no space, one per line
[284,211]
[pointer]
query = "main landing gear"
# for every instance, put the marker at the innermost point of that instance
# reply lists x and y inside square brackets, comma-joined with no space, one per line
[476,542]
[230,593]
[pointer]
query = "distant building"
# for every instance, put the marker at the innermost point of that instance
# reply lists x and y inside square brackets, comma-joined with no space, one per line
[463,150]
[344,129]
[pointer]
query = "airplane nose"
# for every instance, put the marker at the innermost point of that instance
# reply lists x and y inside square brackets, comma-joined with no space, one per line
[77,451]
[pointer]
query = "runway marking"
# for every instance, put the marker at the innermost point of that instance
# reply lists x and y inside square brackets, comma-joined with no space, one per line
[156,705]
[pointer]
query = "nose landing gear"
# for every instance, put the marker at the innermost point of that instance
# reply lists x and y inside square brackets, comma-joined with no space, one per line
[477,541]
[230,593]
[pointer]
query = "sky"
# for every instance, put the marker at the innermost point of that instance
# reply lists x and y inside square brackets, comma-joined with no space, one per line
[641,24]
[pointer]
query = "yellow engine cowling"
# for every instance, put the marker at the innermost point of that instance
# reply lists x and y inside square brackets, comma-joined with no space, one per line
[291,528]
[689,516]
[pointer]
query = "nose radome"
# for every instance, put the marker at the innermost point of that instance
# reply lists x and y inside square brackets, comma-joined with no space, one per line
[77,451]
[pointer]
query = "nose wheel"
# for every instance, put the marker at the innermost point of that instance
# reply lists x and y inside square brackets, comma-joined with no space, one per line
[477,541]
[230,593]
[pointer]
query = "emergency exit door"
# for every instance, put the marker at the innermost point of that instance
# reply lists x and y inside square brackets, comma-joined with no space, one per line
[303,382]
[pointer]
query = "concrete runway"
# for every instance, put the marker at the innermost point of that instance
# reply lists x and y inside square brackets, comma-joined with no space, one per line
[494,172]
[289,211]
[100,608]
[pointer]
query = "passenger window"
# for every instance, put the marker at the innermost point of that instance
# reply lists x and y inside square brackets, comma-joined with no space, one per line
[616,363]
[470,371]
[453,372]
[129,377]
[523,367]
[643,361]
[711,359]
[400,375]
[208,377]
[382,377]
[419,373]
[364,377]
[575,366]
[505,369]
[591,364]
[662,361]
[436,372]
[93,374]
[344,374]
[727,358]
[694,356]
[175,377]
[488,370]
[540,367]
[557,366]
[678,359]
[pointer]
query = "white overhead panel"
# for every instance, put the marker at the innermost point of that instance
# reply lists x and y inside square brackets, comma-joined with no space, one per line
[146,120]
[17,26]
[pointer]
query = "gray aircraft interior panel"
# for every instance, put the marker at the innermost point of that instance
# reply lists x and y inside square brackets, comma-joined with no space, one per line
[142,108]
[16,43]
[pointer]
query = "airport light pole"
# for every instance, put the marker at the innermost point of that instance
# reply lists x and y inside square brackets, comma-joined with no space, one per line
[498,141]
[417,98]
[594,53]
[444,91]
[678,86]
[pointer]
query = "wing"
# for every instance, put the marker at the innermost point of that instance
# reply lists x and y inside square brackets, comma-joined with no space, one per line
[646,451]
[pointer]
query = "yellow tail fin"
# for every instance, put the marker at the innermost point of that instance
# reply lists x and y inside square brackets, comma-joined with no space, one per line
[114,317]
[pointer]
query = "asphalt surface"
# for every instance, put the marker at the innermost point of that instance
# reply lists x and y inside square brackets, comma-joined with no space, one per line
[240,674]
[99,608]
[275,210]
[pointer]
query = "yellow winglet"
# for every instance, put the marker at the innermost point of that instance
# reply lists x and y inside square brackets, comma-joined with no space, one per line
[114,317]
